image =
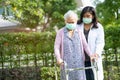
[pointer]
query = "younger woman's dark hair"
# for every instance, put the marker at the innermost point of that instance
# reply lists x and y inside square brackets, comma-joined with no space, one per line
[92,11]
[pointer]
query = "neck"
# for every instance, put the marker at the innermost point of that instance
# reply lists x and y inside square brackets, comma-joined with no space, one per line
[70,32]
[87,26]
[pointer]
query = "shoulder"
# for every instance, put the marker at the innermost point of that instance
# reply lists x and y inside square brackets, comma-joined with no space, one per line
[80,32]
[60,31]
[80,25]
[99,26]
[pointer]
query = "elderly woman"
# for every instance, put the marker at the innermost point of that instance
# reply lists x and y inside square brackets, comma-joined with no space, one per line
[70,45]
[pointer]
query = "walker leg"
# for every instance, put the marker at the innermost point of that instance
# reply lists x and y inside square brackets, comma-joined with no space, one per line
[67,76]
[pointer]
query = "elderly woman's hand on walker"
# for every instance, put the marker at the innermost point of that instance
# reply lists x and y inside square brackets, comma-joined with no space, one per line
[60,62]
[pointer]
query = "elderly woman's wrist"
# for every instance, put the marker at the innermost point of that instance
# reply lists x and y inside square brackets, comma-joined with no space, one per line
[61,63]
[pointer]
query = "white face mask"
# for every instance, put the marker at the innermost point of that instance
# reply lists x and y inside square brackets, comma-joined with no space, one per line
[87,20]
[71,26]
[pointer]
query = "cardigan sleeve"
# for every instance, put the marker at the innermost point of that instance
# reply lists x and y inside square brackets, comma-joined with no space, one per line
[57,45]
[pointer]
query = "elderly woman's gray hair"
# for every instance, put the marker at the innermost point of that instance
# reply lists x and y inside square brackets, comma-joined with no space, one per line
[69,14]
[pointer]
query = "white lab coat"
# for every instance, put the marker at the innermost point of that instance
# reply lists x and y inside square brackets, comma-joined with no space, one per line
[96,44]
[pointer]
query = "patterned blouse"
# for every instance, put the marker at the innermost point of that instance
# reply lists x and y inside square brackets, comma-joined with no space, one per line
[73,56]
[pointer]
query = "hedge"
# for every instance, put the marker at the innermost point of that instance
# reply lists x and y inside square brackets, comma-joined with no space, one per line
[18,50]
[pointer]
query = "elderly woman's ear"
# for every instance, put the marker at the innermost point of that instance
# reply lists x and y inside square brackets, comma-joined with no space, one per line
[65,22]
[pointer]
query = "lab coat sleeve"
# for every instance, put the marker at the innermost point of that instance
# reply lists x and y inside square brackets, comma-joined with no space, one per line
[100,41]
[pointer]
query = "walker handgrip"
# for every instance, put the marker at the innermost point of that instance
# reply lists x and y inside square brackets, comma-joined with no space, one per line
[94,63]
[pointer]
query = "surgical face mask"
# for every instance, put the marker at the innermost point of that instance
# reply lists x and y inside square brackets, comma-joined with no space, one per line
[87,20]
[71,26]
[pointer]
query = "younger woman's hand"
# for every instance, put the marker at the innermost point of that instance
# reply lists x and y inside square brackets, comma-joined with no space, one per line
[94,57]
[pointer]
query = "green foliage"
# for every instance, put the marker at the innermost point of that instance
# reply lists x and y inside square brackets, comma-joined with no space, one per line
[48,73]
[112,57]
[44,13]
[23,73]
[36,49]
[54,11]
[27,46]
[112,74]
[109,12]
[29,13]
[21,53]
[35,39]
[112,35]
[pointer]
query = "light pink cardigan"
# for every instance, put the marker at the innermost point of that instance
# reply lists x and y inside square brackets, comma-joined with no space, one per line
[58,45]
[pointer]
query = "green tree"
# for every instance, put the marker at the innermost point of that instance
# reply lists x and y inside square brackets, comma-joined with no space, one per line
[112,46]
[109,15]
[109,12]
[54,11]
[44,13]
